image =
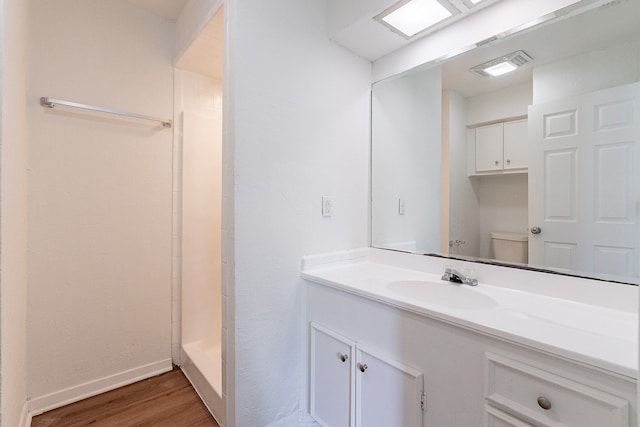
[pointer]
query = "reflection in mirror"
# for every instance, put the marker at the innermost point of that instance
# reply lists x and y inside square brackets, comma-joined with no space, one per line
[538,167]
[407,119]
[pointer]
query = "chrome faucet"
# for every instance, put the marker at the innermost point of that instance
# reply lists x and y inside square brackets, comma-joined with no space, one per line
[452,275]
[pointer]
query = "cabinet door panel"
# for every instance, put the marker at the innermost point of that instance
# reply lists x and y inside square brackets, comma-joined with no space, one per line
[331,370]
[388,393]
[516,140]
[489,148]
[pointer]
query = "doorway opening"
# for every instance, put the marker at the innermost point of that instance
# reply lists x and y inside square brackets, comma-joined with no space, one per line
[198,213]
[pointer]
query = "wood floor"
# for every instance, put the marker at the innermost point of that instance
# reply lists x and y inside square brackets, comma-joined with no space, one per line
[167,400]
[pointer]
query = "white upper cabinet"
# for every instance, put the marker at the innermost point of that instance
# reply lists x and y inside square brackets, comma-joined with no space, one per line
[501,147]
[489,142]
[515,144]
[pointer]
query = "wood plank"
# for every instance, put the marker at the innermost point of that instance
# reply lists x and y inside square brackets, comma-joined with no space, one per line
[166,400]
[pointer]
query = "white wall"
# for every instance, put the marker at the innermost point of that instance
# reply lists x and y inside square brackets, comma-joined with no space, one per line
[616,65]
[13,210]
[512,101]
[406,141]
[300,106]
[502,200]
[503,206]
[464,221]
[99,301]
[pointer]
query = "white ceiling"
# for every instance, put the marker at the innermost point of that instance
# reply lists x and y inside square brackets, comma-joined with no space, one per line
[592,30]
[570,36]
[352,25]
[168,9]
[206,54]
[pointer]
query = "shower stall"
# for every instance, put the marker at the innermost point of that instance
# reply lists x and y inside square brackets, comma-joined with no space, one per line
[198,214]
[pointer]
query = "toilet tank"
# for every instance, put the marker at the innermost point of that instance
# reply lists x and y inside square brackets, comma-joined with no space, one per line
[509,247]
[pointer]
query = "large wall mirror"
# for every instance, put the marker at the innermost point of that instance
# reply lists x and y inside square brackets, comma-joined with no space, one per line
[538,168]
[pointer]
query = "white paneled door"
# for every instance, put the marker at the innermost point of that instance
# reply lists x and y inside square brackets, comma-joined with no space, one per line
[584,183]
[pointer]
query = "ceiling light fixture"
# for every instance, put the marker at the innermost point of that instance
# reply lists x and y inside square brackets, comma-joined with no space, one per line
[500,69]
[472,3]
[410,17]
[503,65]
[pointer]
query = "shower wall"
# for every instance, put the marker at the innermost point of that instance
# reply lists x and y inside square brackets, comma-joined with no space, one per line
[198,204]
[198,245]
[201,207]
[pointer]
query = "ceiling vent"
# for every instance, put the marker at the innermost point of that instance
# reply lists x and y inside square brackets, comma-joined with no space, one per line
[503,65]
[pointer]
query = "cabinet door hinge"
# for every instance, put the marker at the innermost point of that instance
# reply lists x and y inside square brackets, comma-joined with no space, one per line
[423,401]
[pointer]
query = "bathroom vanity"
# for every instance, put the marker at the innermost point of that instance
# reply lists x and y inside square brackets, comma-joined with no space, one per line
[390,343]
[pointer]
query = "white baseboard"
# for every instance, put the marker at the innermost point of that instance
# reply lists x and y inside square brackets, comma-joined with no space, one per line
[69,395]
[25,416]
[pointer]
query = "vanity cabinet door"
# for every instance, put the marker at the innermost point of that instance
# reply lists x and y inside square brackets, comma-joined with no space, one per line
[516,137]
[489,145]
[331,371]
[388,393]
[351,385]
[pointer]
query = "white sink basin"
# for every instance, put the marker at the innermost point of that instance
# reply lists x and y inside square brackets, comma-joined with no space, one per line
[443,293]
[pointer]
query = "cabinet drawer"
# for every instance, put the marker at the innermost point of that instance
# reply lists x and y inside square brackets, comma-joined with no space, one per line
[525,391]
[496,418]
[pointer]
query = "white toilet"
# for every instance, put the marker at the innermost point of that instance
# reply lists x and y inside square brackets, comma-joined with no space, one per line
[509,247]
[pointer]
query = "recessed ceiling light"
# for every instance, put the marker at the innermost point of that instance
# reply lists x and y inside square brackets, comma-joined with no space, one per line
[500,69]
[414,16]
[504,64]
[472,3]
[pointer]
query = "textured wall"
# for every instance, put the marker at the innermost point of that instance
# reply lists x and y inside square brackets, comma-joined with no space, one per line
[301,110]
[100,200]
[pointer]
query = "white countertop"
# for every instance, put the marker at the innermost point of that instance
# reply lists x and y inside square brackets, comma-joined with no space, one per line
[595,335]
